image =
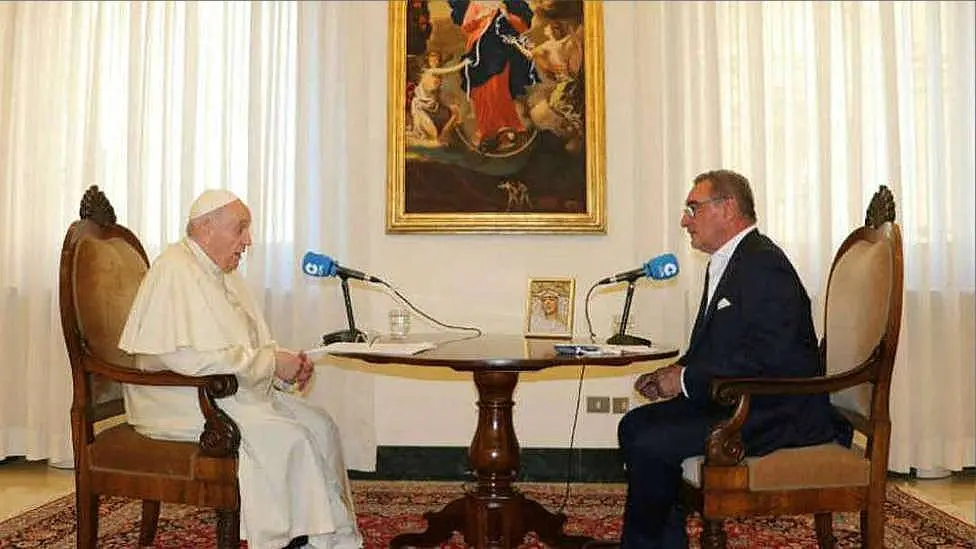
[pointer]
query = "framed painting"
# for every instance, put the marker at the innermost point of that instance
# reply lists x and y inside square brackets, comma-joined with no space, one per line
[495,117]
[549,307]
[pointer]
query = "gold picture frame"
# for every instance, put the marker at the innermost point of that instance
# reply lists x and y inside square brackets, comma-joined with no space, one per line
[454,165]
[549,307]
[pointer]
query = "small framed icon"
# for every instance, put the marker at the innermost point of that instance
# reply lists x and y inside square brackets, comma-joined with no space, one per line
[549,307]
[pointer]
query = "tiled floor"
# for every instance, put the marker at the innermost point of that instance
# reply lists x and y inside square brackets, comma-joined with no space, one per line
[26,485]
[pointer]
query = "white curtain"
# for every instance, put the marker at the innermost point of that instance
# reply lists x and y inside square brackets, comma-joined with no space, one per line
[819,103]
[155,102]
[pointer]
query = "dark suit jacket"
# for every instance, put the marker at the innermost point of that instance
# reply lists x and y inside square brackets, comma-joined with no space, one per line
[762,329]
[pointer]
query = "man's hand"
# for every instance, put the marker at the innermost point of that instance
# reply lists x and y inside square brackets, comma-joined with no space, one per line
[669,381]
[664,383]
[294,368]
[646,385]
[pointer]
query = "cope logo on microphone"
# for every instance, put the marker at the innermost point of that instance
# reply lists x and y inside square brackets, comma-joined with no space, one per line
[669,269]
[663,267]
[318,265]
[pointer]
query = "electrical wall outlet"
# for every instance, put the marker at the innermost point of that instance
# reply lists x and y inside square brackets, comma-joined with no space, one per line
[620,405]
[597,405]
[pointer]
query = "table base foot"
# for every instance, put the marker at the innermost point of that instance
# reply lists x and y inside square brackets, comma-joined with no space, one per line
[492,522]
[441,525]
[548,526]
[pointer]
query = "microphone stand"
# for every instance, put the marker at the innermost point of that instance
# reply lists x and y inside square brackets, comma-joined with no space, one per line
[351,334]
[621,338]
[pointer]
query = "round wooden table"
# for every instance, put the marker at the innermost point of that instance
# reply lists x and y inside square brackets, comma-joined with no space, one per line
[493,513]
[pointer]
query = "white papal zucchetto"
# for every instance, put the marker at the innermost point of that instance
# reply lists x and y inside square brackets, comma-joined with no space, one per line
[210,200]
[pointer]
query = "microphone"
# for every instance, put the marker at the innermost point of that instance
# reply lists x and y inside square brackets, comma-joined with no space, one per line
[662,267]
[320,265]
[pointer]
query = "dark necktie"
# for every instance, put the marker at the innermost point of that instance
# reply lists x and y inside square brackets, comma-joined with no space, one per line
[704,304]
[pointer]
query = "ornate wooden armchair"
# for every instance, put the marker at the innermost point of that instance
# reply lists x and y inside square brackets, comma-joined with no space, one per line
[862,318]
[102,265]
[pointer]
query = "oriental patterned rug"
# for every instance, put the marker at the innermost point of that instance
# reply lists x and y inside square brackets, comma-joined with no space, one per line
[386,508]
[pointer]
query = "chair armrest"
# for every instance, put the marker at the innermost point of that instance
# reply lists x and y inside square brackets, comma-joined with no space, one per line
[724,444]
[221,437]
[728,390]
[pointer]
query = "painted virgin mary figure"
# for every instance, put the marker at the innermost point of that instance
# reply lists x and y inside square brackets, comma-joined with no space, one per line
[496,73]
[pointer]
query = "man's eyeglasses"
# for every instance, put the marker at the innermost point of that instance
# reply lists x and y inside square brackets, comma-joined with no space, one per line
[691,208]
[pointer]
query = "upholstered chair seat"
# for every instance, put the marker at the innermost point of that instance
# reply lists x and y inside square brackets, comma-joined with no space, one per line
[821,466]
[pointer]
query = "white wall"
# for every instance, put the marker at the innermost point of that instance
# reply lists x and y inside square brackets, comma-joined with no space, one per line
[481,280]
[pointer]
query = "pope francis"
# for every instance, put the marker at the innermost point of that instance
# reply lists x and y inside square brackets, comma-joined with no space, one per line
[194,315]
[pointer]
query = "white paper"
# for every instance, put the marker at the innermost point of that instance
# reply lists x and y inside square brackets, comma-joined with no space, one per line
[395,349]
[633,349]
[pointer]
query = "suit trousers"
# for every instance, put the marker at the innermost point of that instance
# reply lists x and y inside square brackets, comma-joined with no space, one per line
[654,439]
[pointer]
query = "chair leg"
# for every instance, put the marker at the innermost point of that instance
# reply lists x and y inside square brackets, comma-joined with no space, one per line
[713,534]
[150,518]
[86,511]
[825,530]
[228,529]
[872,527]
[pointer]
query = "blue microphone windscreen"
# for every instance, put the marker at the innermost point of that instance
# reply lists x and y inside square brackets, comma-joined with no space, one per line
[662,267]
[314,264]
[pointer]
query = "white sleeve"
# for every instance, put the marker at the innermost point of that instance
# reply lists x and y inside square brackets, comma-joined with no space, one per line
[252,367]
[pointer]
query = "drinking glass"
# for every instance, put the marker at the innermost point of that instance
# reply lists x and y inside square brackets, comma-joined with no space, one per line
[399,323]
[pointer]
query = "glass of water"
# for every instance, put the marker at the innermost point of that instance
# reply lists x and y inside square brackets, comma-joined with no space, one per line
[399,323]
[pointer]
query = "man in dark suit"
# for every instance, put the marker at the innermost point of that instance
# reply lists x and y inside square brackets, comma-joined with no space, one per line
[754,321]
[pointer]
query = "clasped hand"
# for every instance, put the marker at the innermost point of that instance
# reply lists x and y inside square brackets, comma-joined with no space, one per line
[663,383]
[294,368]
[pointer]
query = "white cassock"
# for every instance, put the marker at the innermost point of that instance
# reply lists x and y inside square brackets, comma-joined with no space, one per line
[192,318]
